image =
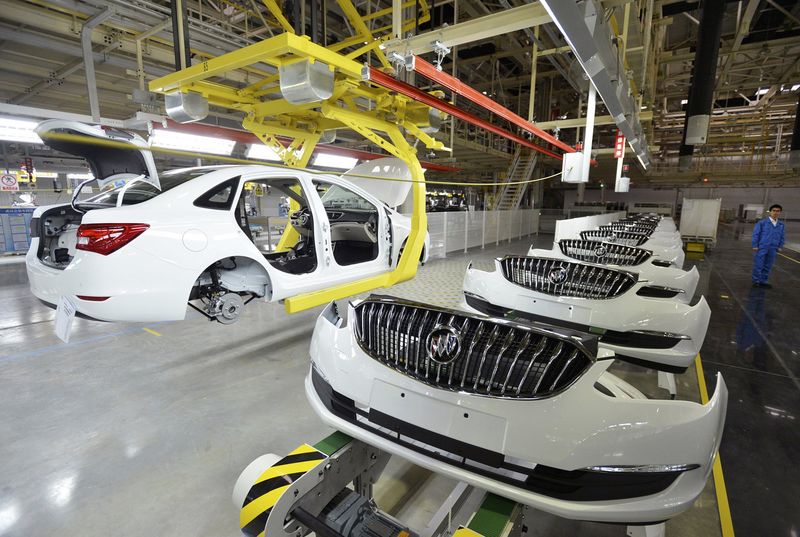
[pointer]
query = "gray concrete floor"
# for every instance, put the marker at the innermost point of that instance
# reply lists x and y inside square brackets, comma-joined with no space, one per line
[130,432]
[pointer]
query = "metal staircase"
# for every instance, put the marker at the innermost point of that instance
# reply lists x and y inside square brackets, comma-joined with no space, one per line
[521,169]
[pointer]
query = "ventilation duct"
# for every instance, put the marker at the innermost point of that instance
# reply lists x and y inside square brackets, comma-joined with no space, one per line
[704,72]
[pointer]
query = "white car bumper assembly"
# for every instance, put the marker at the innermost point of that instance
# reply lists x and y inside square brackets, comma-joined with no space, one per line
[511,408]
[656,271]
[630,319]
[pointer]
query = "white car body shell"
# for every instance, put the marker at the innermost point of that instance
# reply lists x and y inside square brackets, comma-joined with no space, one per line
[628,312]
[672,277]
[577,428]
[150,278]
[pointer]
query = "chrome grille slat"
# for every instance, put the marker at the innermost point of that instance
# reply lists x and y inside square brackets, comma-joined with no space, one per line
[494,357]
[506,344]
[475,339]
[617,228]
[563,369]
[419,341]
[536,353]
[407,334]
[487,348]
[427,359]
[522,346]
[566,278]
[550,362]
[615,237]
[612,253]
[452,369]
[386,339]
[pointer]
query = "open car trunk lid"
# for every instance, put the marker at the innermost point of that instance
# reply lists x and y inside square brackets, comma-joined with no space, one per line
[108,163]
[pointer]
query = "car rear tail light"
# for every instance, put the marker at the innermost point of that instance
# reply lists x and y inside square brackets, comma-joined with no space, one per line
[34,227]
[107,238]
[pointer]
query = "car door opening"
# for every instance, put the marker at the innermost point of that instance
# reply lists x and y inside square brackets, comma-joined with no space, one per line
[353,223]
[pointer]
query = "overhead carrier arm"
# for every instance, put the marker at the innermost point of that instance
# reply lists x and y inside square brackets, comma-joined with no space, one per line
[315,91]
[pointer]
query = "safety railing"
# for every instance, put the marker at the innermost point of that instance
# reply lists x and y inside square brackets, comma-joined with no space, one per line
[459,231]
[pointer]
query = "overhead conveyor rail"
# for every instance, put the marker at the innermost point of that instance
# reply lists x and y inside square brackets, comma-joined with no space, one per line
[430,72]
[382,79]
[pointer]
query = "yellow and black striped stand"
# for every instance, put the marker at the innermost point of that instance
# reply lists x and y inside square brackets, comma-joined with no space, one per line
[270,486]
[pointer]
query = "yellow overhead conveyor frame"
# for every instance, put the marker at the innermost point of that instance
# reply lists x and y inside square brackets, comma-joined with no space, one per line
[374,112]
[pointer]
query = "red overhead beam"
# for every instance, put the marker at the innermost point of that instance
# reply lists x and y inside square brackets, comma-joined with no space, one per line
[382,79]
[250,138]
[456,86]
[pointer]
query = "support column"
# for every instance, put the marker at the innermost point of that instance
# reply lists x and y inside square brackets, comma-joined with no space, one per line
[88,60]
[180,34]
[534,58]
[587,137]
[794,149]
[397,19]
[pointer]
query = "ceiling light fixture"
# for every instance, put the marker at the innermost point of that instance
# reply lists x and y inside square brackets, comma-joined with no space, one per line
[326,160]
[170,139]
[262,152]
[19,130]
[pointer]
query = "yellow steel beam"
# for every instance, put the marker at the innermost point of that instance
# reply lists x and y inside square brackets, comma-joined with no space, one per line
[388,11]
[272,7]
[362,29]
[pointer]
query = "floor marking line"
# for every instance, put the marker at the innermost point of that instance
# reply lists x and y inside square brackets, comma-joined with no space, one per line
[151,331]
[724,508]
[748,369]
[789,258]
[761,333]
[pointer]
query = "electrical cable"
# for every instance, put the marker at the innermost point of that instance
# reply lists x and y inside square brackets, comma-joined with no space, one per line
[234,160]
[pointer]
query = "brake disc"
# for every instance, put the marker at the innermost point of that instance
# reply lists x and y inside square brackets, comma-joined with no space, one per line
[228,308]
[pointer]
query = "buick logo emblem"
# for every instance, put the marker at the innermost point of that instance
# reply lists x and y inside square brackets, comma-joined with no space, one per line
[600,251]
[557,275]
[443,344]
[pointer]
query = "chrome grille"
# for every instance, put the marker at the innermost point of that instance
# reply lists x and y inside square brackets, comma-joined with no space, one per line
[494,357]
[625,238]
[639,220]
[565,278]
[644,230]
[605,253]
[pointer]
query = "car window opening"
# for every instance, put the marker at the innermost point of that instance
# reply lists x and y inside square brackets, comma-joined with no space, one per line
[353,223]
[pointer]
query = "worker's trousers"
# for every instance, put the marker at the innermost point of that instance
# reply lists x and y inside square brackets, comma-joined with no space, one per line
[763,260]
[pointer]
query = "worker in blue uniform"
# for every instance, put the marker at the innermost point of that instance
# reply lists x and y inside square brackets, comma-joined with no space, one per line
[768,238]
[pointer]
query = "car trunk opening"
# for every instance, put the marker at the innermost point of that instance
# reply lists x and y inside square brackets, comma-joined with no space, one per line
[57,230]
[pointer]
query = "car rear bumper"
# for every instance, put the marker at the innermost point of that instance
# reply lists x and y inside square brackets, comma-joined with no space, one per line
[136,292]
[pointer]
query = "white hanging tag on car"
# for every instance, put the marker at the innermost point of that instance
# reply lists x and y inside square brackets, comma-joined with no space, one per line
[65,313]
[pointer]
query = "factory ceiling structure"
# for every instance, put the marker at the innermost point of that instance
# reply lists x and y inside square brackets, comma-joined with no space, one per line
[96,58]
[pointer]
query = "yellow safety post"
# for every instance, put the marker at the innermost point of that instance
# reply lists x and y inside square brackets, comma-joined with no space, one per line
[373,111]
[290,235]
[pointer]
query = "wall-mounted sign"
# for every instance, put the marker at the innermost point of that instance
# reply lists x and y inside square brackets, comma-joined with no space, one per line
[8,182]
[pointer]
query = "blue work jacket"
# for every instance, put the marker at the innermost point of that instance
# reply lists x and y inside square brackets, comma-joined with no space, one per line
[765,235]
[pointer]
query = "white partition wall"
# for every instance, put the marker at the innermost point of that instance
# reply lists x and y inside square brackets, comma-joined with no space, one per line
[571,229]
[458,231]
